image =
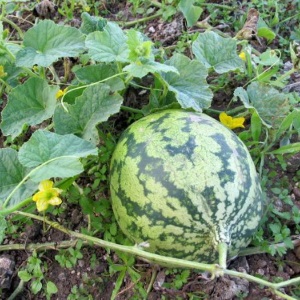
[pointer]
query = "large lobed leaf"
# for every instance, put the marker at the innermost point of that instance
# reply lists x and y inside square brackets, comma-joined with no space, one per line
[54,155]
[141,57]
[28,104]
[46,42]
[191,12]
[101,72]
[108,45]
[91,23]
[43,156]
[217,52]
[95,105]
[190,86]
[271,105]
[137,69]
[11,174]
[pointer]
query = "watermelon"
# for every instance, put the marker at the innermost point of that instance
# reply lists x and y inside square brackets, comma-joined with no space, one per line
[184,184]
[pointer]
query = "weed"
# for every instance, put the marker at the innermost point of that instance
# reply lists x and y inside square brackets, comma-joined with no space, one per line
[67,258]
[34,272]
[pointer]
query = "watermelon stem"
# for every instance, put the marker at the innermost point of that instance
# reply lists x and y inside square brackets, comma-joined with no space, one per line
[221,267]
[222,249]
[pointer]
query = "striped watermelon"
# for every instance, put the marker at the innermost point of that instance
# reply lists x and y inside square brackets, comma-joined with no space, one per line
[184,183]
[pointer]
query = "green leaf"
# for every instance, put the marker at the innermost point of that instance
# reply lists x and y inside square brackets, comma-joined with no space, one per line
[266,33]
[36,286]
[268,58]
[276,228]
[118,284]
[296,122]
[286,123]
[13,73]
[3,226]
[94,106]
[11,174]
[51,288]
[217,52]
[24,275]
[191,12]
[271,105]
[46,42]
[30,103]
[135,276]
[138,46]
[190,86]
[141,69]
[91,23]
[108,45]
[289,243]
[53,155]
[255,126]
[100,72]
[287,149]
[1,31]
[266,76]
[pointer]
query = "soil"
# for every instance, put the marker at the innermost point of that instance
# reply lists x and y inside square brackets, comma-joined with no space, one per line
[95,278]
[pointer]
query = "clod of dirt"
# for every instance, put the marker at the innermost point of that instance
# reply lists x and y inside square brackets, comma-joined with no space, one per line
[76,217]
[45,9]
[33,231]
[297,252]
[7,266]
[293,163]
[227,288]
[166,32]
[240,264]
[296,192]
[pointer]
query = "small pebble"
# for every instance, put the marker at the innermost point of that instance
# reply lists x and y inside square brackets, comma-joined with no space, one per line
[151,29]
[260,272]
[7,267]
[62,276]
[81,263]
[261,263]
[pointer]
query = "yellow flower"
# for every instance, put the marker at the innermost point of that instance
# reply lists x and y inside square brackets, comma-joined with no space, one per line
[2,73]
[47,195]
[242,56]
[231,122]
[60,93]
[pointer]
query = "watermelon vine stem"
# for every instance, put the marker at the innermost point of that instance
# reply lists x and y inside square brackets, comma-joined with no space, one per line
[174,262]
[222,249]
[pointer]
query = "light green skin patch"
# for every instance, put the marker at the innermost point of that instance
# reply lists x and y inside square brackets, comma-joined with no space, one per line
[184,183]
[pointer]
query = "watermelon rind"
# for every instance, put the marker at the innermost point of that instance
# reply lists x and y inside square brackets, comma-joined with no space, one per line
[184,183]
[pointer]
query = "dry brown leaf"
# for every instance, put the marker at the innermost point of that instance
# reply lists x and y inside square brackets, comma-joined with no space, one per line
[249,30]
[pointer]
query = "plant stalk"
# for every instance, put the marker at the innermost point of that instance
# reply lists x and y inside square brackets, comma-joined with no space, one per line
[222,249]
[141,20]
[160,5]
[17,291]
[135,250]
[7,211]
[15,26]
[285,75]
[40,246]
[132,110]
[170,261]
